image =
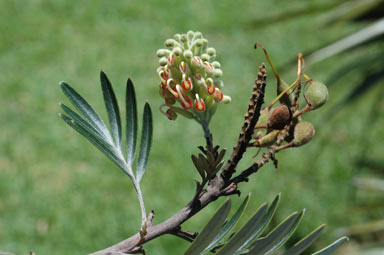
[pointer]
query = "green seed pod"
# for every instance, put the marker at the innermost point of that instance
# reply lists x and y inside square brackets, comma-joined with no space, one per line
[267,140]
[280,117]
[303,133]
[288,98]
[264,116]
[317,94]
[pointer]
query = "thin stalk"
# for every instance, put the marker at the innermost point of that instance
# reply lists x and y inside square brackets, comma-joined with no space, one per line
[208,136]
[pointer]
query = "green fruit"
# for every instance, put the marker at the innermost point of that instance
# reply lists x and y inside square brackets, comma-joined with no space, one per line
[303,133]
[317,94]
[264,116]
[267,140]
[288,98]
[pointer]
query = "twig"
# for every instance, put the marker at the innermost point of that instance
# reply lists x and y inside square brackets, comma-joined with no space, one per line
[251,118]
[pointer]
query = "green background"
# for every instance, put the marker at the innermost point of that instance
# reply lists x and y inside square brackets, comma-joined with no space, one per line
[59,195]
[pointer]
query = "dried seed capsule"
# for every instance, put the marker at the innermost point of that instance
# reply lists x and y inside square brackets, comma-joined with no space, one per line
[303,133]
[317,94]
[280,117]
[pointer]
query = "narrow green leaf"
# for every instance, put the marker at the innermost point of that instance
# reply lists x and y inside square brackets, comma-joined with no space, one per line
[77,118]
[229,224]
[112,108]
[304,243]
[131,116]
[210,230]
[330,248]
[198,166]
[85,109]
[146,140]
[251,228]
[264,223]
[276,237]
[107,149]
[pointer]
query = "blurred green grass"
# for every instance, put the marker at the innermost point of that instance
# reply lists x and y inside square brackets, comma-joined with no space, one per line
[58,194]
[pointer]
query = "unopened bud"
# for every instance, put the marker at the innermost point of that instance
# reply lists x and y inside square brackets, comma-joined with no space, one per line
[177,51]
[163,61]
[211,51]
[162,52]
[188,54]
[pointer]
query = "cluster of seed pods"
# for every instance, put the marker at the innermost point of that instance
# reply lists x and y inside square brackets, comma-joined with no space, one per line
[190,76]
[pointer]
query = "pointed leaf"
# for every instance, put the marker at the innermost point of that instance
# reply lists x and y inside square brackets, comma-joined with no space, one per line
[107,149]
[85,109]
[220,156]
[304,243]
[131,116]
[198,166]
[112,108]
[251,228]
[267,218]
[276,237]
[330,248]
[77,118]
[146,140]
[229,224]
[204,162]
[210,230]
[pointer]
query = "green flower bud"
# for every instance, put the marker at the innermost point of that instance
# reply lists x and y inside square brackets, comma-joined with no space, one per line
[189,78]
[198,35]
[216,64]
[170,43]
[217,73]
[177,37]
[211,51]
[190,35]
[188,54]
[226,99]
[163,61]
[303,133]
[183,38]
[162,53]
[317,94]
[205,57]
[177,51]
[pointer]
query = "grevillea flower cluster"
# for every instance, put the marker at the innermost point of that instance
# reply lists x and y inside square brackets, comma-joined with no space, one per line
[190,78]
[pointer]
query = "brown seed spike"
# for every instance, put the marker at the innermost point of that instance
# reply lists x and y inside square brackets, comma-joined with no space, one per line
[280,117]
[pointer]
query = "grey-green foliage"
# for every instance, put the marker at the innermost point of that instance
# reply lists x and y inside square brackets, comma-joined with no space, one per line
[249,239]
[92,127]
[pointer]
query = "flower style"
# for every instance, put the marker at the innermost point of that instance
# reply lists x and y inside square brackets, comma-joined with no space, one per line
[190,75]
